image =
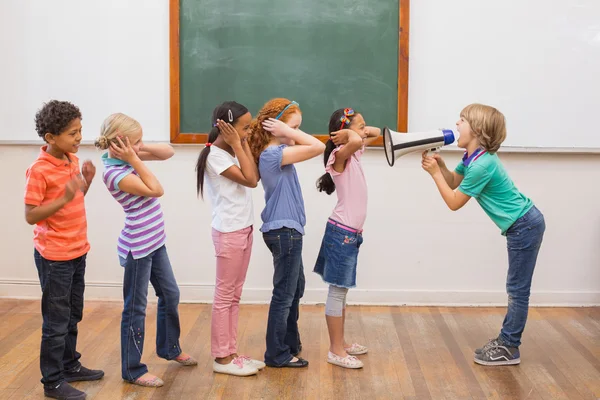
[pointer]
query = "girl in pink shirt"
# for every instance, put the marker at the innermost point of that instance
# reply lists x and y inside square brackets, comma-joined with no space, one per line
[338,256]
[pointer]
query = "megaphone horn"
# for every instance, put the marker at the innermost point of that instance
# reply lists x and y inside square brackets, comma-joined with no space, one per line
[397,144]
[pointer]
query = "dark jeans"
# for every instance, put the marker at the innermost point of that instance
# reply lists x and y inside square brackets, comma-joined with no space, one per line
[524,239]
[283,338]
[62,285]
[156,269]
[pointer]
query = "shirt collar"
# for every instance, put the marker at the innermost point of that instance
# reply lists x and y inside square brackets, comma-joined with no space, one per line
[466,160]
[57,162]
[106,160]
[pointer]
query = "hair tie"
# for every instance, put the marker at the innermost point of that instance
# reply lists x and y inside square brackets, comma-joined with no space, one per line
[208,144]
[348,112]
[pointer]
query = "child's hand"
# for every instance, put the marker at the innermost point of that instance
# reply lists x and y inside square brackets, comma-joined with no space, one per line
[72,187]
[438,158]
[430,165]
[340,137]
[123,151]
[88,170]
[230,135]
[277,128]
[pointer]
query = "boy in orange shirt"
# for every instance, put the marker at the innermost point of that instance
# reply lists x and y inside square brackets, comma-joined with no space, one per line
[54,202]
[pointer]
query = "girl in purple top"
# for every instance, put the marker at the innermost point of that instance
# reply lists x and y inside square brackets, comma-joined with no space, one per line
[141,246]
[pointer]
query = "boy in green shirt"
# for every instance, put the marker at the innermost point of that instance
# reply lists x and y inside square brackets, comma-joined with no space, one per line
[481,175]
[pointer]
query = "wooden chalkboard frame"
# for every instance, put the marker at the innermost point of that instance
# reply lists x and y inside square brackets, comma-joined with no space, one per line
[198,138]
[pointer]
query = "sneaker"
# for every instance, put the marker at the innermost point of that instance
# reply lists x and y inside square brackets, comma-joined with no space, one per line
[492,343]
[236,367]
[345,362]
[64,391]
[356,349]
[499,355]
[83,374]
[256,363]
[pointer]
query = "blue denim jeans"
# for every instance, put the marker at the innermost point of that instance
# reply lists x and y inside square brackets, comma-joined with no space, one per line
[156,269]
[524,239]
[62,285]
[283,337]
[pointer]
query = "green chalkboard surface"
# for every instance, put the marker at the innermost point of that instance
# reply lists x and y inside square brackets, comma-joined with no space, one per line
[324,54]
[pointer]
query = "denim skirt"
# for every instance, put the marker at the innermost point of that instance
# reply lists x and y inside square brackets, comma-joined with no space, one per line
[338,256]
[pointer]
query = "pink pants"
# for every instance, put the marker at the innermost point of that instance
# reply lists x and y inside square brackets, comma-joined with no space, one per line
[233,252]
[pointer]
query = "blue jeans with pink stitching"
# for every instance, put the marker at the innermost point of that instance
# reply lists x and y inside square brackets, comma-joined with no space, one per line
[156,269]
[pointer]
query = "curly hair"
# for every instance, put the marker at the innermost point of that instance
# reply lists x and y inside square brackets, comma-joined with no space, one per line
[488,125]
[259,137]
[54,117]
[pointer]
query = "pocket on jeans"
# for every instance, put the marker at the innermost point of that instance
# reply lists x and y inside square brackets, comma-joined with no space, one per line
[273,242]
[59,279]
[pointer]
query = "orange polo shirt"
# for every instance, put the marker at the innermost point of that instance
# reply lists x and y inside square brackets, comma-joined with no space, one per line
[63,235]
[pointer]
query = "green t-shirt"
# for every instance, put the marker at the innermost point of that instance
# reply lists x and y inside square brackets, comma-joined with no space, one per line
[486,180]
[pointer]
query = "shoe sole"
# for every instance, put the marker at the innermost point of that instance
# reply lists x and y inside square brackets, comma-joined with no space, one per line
[358,353]
[70,398]
[339,364]
[236,374]
[85,378]
[494,363]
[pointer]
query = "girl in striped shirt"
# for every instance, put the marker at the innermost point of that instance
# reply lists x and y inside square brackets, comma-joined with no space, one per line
[141,246]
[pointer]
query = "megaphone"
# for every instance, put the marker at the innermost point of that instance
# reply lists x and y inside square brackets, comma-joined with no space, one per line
[397,144]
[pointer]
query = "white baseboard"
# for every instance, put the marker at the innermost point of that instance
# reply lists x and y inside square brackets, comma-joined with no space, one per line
[203,293]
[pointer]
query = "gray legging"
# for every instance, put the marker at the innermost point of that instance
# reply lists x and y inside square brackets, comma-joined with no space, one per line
[336,301]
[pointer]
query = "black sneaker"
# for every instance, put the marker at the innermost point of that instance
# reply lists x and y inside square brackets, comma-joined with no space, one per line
[64,391]
[492,343]
[83,374]
[499,355]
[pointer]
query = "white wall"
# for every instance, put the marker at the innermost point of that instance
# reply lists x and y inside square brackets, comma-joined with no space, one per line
[415,251]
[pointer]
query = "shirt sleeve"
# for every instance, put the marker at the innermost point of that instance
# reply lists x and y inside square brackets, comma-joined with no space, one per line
[112,176]
[460,168]
[270,159]
[331,160]
[476,178]
[35,187]
[219,162]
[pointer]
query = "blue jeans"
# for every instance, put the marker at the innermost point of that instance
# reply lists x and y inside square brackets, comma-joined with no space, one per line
[62,285]
[524,239]
[283,338]
[156,269]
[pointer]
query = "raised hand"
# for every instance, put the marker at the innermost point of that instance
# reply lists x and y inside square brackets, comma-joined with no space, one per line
[230,135]
[277,128]
[88,170]
[123,151]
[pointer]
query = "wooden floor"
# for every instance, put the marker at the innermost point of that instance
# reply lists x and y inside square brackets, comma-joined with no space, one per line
[414,353]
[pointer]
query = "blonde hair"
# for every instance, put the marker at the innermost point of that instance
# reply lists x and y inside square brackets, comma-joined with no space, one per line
[487,124]
[115,125]
[259,137]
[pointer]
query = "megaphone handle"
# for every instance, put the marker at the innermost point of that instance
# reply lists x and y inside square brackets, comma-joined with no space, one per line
[431,151]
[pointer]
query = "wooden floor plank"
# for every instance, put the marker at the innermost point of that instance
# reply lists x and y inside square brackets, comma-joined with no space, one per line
[414,353]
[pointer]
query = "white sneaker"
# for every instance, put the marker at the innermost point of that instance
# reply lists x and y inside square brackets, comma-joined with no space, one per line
[236,367]
[346,362]
[255,363]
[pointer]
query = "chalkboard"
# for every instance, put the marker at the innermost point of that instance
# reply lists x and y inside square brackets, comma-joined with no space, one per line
[324,54]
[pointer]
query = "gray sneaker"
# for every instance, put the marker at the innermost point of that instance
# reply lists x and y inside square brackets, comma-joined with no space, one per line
[499,355]
[492,343]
